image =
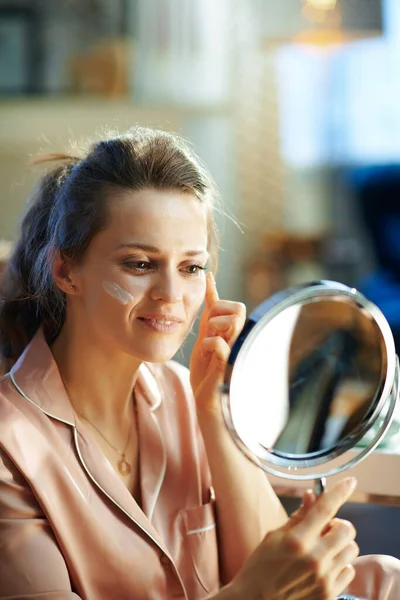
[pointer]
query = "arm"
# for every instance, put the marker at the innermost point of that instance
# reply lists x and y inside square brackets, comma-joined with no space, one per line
[31,564]
[247,506]
[310,556]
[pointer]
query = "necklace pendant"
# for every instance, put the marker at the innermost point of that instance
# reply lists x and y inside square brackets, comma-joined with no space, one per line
[124,467]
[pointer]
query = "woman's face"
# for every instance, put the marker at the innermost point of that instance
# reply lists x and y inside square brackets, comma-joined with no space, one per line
[142,280]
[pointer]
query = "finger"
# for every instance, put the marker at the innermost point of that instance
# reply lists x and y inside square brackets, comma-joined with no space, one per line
[235,311]
[218,350]
[210,299]
[220,323]
[211,290]
[327,575]
[215,345]
[227,326]
[346,557]
[228,307]
[339,536]
[324,510]
[308,501]
[343,580]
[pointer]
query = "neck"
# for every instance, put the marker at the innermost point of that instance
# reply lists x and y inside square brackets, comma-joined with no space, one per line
[99,381]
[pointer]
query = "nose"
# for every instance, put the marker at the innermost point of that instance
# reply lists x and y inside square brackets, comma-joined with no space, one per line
[167,289]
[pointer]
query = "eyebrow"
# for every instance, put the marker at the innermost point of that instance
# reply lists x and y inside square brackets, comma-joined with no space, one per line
[155,250]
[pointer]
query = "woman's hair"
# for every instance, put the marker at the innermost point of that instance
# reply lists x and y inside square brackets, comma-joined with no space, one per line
[69,207]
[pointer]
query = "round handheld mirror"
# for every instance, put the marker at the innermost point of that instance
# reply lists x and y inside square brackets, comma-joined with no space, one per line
[312,373]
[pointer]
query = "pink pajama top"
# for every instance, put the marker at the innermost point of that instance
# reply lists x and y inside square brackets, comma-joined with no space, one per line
[69,528]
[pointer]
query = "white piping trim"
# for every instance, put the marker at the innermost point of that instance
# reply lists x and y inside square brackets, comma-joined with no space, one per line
[34,403]
[163,469]
[201,529]
[152,382]
[97,483]
[124,511]
[197,435]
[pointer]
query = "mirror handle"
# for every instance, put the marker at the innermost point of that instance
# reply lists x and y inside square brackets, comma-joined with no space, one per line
[320,485]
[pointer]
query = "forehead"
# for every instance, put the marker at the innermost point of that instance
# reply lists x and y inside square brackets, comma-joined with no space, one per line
[158,218]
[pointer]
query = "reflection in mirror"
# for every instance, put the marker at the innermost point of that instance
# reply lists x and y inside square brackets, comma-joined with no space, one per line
[310,378]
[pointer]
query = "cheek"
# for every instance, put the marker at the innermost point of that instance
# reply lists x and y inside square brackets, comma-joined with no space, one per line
[117,292]
[195,293]
[129,292]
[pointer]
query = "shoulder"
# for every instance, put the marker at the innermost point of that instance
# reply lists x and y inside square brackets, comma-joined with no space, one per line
[8,408]
[23,425]
[14,421]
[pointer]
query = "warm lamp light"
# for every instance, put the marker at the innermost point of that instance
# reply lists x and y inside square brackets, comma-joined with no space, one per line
[322,4]
[322,22]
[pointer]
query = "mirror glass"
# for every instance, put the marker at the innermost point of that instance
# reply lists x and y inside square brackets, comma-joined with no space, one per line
[309,379]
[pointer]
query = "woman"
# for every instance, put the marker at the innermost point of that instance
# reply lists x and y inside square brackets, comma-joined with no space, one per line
[118,478]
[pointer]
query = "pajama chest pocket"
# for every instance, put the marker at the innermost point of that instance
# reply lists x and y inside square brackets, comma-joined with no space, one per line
[201,544]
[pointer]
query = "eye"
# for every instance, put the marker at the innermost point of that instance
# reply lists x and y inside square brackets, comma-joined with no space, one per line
[138,265]
[142,264]
[193,269]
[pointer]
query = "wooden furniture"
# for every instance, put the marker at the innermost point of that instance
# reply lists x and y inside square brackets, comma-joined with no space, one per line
[278,254]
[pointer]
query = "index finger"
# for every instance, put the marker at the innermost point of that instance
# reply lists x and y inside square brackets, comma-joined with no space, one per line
[324,509]
[211,290]
[210,298]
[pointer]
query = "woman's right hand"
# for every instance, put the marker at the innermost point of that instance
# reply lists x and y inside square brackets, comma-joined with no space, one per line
[309,558]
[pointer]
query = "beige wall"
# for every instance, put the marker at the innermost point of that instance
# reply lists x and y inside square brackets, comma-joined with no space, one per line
[28,127]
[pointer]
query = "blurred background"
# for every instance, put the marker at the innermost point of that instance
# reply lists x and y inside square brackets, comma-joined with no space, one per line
[294,105]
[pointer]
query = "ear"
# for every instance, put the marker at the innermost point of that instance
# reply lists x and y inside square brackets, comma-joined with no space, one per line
[63,275]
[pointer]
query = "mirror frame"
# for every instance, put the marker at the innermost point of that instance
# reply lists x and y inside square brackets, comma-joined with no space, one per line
[336,458]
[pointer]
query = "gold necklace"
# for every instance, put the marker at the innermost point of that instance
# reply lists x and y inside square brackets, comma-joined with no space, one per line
[123,465]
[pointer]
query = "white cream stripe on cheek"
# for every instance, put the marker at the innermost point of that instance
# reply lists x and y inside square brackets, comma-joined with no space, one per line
[117,292]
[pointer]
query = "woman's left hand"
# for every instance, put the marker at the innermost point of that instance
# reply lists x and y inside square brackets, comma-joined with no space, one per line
[220,324]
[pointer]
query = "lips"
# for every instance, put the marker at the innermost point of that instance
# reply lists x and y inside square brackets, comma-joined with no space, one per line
[161,318]
[161,323]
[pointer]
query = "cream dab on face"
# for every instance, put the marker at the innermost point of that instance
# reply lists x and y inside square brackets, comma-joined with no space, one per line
[117,292]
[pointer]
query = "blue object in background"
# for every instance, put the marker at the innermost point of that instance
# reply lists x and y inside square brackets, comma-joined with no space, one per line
[377,192]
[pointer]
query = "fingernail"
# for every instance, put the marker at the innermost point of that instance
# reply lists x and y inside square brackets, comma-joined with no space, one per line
[312,495]
[349,484]
[211,276]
